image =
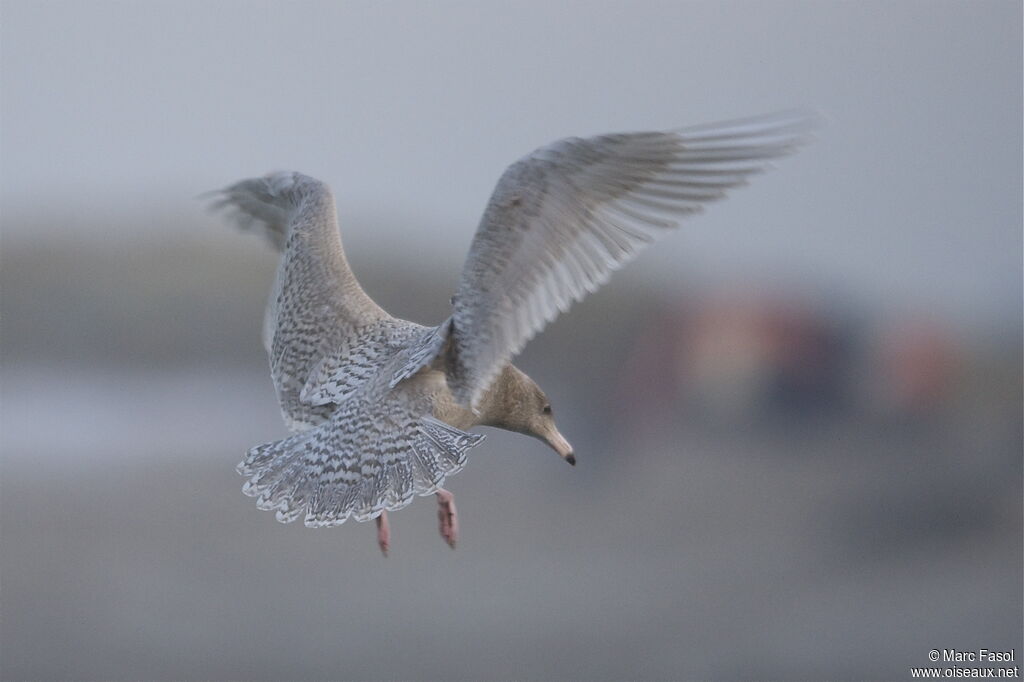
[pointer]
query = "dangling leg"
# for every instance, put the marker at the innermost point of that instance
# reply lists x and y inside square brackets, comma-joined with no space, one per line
[383,533]
[447,516]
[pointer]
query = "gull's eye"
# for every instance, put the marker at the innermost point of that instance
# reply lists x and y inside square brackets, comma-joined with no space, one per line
[546,409]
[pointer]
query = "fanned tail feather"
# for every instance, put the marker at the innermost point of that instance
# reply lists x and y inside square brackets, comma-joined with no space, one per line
[314,474]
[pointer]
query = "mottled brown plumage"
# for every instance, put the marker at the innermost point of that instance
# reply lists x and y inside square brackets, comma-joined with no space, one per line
[381,407]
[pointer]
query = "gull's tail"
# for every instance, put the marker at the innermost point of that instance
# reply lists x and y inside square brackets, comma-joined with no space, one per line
[330,473]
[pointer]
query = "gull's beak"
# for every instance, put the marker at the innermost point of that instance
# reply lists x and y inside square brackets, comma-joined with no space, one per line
[560,445]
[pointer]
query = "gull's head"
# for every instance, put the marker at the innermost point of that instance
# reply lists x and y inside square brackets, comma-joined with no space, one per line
[519,405]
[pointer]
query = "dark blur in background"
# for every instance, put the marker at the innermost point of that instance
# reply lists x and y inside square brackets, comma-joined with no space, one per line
[799,421]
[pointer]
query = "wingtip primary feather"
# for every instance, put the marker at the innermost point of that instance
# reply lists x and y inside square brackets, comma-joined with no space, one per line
[797,119]
[263,204]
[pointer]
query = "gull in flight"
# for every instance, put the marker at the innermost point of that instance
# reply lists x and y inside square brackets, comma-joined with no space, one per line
[379,408]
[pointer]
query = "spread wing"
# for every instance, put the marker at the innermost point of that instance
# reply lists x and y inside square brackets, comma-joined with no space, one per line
[563,218]
[316,304]
[363,446]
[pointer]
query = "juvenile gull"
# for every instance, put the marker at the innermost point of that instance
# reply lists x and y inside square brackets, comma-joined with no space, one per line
[380,407]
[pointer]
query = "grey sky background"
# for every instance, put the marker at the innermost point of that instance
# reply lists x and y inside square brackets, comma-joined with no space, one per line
[764,490]
[911,198]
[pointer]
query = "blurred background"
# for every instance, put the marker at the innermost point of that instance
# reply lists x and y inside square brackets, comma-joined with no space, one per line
[799,420]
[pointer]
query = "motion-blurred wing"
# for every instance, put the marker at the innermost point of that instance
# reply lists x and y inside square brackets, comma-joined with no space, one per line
[563,218]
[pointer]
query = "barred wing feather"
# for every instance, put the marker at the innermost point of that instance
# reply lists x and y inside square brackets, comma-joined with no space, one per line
[316,305]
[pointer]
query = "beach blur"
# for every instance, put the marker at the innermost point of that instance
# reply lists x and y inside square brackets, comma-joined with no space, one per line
[799,446]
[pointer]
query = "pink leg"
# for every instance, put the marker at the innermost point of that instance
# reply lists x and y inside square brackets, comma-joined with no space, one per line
[447,516]
[383,533]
